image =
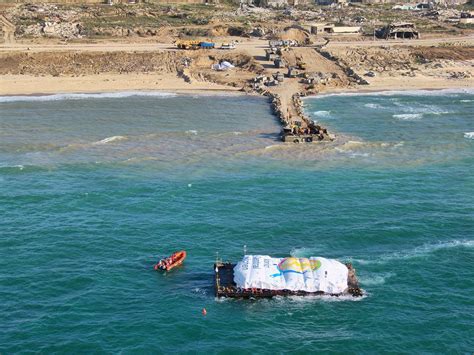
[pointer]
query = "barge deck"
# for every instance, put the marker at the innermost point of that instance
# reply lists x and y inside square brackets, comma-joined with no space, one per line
[226,287]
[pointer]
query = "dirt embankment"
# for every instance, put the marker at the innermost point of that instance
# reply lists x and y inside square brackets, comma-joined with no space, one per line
[445,53]
[190,65]
[84,63]
[392,60]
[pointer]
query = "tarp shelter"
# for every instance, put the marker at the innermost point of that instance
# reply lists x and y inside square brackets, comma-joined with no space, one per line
[296,274]
[221,66]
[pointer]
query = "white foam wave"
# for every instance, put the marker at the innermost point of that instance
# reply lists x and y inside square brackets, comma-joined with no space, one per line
[355,155]
[418,252]
[442,92]
[408,116]
[111,139]
[375,279]
[200,291]
[274,146]
[304,252]
[374,106]
[466,100]
[192,131]
[325,298]
[323,114]
[105,95]
[469,135]
[19,166]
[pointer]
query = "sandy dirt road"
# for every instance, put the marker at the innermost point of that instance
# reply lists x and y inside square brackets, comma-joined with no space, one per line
[253,46]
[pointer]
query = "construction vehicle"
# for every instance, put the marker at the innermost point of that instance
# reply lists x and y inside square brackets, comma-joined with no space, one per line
[270,54]
[207,45]
[194,44]
[301,65]
[279,62]
[292,72]
[187,44]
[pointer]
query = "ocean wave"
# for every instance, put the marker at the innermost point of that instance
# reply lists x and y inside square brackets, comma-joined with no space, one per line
[111,139]
[304,252]
[408,116]
[375,279]
[192,131]
[323,114]
[422,109]
[466,100]
[469,135]
[442,92]
[355,155]
[374,106]
[348,146]
[200,291]
[78,96]
[325,298]
[418,252]
[20,168]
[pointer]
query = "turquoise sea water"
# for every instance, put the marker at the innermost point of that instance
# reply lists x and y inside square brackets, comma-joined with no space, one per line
[95,188]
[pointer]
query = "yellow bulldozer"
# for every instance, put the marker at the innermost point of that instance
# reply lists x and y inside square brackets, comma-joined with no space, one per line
[187,44]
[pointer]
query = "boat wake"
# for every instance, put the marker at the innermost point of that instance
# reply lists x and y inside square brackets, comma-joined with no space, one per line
[469,135]
[375,280]
[418,252]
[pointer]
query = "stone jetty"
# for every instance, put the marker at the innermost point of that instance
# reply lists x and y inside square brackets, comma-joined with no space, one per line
[285,94]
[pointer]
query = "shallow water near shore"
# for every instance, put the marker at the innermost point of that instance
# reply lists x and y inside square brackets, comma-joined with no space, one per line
[93,190]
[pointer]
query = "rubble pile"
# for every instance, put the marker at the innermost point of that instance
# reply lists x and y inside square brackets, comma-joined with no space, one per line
[37,20]
[376,60]
[445,15]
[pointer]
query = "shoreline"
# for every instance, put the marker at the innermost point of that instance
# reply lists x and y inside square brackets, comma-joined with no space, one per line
[145,92]
[28,85]
[179,87]
[394,91]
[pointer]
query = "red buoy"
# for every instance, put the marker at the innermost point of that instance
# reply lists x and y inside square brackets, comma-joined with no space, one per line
[204,312]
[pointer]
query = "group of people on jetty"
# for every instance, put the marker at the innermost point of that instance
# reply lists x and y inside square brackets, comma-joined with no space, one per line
[300,125]
[311,129]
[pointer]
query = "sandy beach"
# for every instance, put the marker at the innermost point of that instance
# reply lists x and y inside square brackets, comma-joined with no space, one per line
[33,85]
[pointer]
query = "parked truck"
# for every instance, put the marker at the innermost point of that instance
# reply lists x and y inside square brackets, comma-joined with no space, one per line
[194,44]
[207,45]
[187,44]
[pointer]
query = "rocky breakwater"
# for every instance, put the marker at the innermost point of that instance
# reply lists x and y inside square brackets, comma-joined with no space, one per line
[297,127]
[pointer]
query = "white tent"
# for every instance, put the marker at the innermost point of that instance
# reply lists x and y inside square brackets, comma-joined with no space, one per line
[224,65]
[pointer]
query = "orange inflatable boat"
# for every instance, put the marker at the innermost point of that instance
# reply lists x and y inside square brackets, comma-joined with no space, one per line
[169,263]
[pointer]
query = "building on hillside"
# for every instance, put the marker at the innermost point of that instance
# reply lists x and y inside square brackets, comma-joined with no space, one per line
[274,3]
[427,2]
[330,28]
[400,30]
